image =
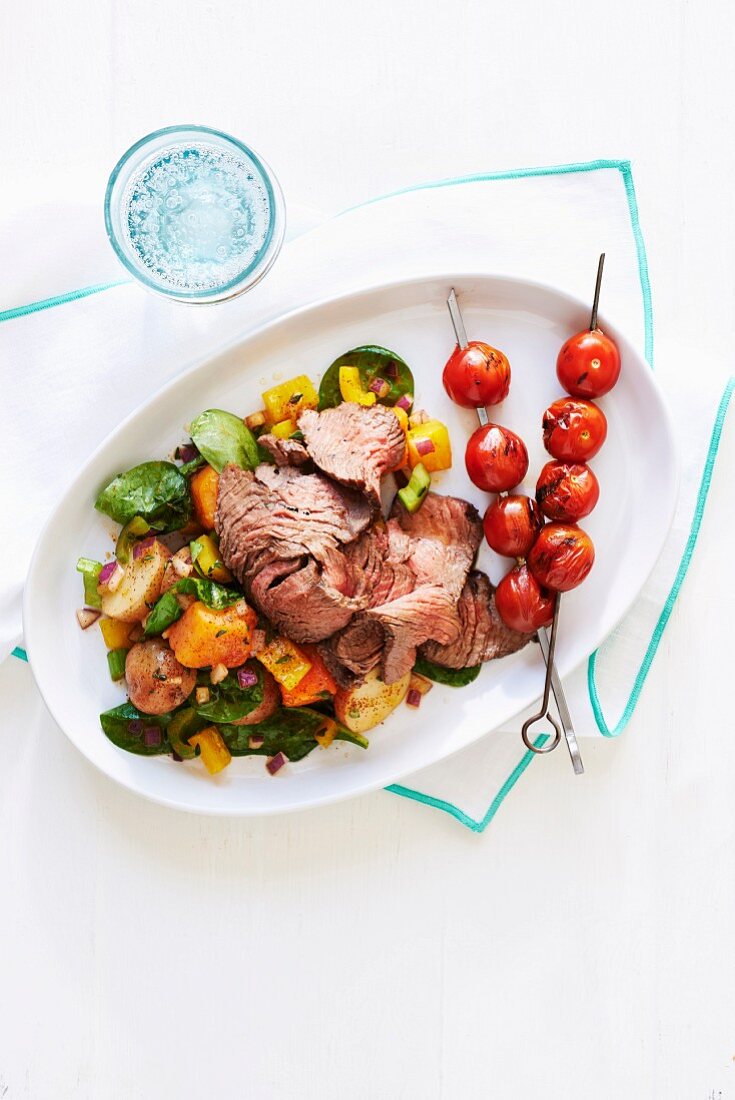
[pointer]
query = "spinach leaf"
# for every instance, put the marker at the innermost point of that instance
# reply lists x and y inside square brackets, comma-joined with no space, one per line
[228,701]
[154,491]
[290,730]
[222,437]
[209,592]
[372,362]
[166,610]
[192,466]
[125,725]
[454,677]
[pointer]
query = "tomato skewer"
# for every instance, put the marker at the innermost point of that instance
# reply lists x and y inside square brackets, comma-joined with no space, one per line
[552,676]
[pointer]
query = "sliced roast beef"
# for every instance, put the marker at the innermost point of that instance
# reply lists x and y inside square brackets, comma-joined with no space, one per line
[482,633]
[378,561]
[302,598]
[354,444]
[359,647]
[445,533]
[429,612]
[285,452]
[277,513]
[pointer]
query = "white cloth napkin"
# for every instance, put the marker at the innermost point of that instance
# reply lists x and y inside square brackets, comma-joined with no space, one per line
[72,371]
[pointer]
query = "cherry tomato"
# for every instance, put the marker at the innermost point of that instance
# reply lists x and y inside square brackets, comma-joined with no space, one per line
[512,524]
[561,556]
[496,458]
[477,375]
[522,603]
[588,364]
[574,430]
[567,491]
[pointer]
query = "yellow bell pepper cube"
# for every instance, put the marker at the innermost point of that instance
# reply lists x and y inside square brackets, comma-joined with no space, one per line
[212,749]
[287,663]
[205,555]
[402,416]
[283,429]
[429,444]
[289,399]
[327,733]
[116,633]
[350,386]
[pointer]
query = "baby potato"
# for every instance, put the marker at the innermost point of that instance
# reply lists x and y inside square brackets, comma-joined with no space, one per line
[140,586]
[204,636]
[365,705]
[270,704]
[157,683]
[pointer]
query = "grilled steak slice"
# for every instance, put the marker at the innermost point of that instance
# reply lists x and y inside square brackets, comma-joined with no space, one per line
[354,444]
[482,635]
[359,647]
[277,513]
[444,535]
[302,599]
[378,564]
[285,452]
[427,612]
[380,573]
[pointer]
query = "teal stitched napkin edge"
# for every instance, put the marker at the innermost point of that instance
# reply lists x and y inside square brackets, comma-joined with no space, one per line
[624,168]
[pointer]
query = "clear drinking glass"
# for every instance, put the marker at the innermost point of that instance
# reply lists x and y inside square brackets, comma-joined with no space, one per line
[194,214]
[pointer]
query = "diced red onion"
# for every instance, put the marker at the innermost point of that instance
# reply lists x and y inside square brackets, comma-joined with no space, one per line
[276,763]
[379,386]
[135,726]
[256,741]
[152,736]
[187,452]
[247,678]
[424,446]
[106,572]
[142,546]
[413,699]
[391,371]
[405,402]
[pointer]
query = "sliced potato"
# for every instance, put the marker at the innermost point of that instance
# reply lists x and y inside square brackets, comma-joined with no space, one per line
[140,587]
[365,705]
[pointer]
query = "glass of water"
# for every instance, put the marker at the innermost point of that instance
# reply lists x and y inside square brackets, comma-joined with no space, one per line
[194,214]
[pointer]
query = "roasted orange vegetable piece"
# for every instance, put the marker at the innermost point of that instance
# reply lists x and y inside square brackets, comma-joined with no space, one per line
[317,684]
[204,486]
[204,637]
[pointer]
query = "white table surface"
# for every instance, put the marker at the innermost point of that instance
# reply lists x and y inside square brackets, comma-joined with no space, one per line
[582,946]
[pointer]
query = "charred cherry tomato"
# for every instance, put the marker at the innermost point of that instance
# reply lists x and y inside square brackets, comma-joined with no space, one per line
[567,491]
[561,556]
[477,375]
[574,430]
[512,524]
[522,603]
[496,458]
[588,364]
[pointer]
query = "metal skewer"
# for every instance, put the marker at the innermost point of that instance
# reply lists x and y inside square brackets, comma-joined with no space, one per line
[547,644]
